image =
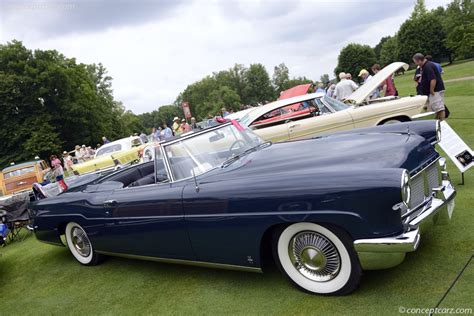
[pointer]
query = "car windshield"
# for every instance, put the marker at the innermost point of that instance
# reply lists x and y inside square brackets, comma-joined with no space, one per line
[335,104]
[108,150]
[203,152]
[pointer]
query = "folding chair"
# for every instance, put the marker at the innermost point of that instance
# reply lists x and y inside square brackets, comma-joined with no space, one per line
[16,216]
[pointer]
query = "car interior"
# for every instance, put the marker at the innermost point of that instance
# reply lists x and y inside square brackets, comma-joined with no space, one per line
[142,174]
[292,112]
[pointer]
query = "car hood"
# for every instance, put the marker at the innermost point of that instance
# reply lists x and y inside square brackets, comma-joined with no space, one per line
[364,91]
[295,91]
[341,152]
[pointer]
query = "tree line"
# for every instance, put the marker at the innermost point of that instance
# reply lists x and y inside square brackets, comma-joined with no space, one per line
[446,34]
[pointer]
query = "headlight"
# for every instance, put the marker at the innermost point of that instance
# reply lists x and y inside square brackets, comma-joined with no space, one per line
[438,131]
[405,187]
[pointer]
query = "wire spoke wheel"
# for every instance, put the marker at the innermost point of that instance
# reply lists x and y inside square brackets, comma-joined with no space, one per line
[314,256]
[81,241]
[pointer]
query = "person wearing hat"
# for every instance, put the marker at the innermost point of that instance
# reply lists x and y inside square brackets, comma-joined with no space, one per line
[184,126]
[67,159]
[344,88]
[193,123]
[364,74]
[78,154]
[176,126]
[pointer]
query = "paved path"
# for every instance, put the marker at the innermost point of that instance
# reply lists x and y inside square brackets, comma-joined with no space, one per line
[460,79]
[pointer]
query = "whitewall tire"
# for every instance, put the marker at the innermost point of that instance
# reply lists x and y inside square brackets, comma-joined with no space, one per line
[317,259]
[79,244]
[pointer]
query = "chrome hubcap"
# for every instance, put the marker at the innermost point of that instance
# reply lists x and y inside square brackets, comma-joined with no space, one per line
[81,242]
[314,256]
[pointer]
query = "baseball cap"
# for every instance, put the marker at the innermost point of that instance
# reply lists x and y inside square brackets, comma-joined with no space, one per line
[363,72]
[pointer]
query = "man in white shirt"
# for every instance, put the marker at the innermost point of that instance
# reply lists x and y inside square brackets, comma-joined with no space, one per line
[344,88]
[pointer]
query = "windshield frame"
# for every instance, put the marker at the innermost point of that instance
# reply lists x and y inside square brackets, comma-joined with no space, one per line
[190,135]
[325,99]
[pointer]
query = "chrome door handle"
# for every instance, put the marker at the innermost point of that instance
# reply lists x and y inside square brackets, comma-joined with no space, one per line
[294,125]
[110,203]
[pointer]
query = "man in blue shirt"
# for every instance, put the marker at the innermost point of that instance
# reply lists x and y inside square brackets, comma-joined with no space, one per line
[437,65]
[167,133]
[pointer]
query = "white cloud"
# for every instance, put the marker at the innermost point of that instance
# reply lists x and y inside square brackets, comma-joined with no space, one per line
[155,57]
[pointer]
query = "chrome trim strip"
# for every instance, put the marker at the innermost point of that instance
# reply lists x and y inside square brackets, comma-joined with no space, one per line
[317,212]
[405,242]
[427,166]
[185,262]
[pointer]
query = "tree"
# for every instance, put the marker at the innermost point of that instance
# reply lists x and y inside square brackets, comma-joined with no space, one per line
[355,57]
[197,95]
[423,34]
[280,78]
[324,78]
[258,87]
[459,28]
[131,123]
[233,78]
[419,10]
[50,102]
[389,51]
[378,47]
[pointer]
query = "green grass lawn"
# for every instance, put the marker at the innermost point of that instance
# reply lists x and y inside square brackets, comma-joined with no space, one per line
[37,278]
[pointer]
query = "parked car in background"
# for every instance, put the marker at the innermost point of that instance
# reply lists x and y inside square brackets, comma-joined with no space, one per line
[117,153]
[315,114]
[327,208]
[20,177]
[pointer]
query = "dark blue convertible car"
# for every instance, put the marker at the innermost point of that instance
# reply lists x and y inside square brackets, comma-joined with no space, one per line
[323,209]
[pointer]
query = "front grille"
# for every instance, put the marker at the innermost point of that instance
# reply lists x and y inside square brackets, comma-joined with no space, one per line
[433,177]
[422,184]
[417,191]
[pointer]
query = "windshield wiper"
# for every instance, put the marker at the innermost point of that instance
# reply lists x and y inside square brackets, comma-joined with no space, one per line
[232,159]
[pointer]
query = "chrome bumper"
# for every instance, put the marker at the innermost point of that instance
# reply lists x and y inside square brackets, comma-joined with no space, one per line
[387,252]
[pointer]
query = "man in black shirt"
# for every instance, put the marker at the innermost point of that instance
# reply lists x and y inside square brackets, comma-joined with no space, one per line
[431,85]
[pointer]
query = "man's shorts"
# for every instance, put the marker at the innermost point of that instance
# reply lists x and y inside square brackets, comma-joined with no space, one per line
[436,102]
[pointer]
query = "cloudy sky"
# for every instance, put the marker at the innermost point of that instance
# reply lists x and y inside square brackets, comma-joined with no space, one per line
[154,49]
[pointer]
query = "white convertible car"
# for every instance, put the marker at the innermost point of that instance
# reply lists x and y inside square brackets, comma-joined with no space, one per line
[315,114]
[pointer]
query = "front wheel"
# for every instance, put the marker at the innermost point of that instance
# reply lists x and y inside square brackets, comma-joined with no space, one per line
[317,259]
[80,246]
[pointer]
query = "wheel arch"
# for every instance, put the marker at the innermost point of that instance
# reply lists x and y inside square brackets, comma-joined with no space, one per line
[401,118]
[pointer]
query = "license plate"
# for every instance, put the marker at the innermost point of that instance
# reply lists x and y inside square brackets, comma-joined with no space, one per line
[450,208]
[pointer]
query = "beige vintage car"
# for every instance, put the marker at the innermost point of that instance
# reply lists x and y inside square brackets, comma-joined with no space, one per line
[315,114]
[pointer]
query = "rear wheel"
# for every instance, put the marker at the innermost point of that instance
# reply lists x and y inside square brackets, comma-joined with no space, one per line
[317,259]
[80,246]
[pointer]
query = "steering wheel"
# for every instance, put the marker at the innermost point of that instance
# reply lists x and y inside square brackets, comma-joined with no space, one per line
[234,144]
